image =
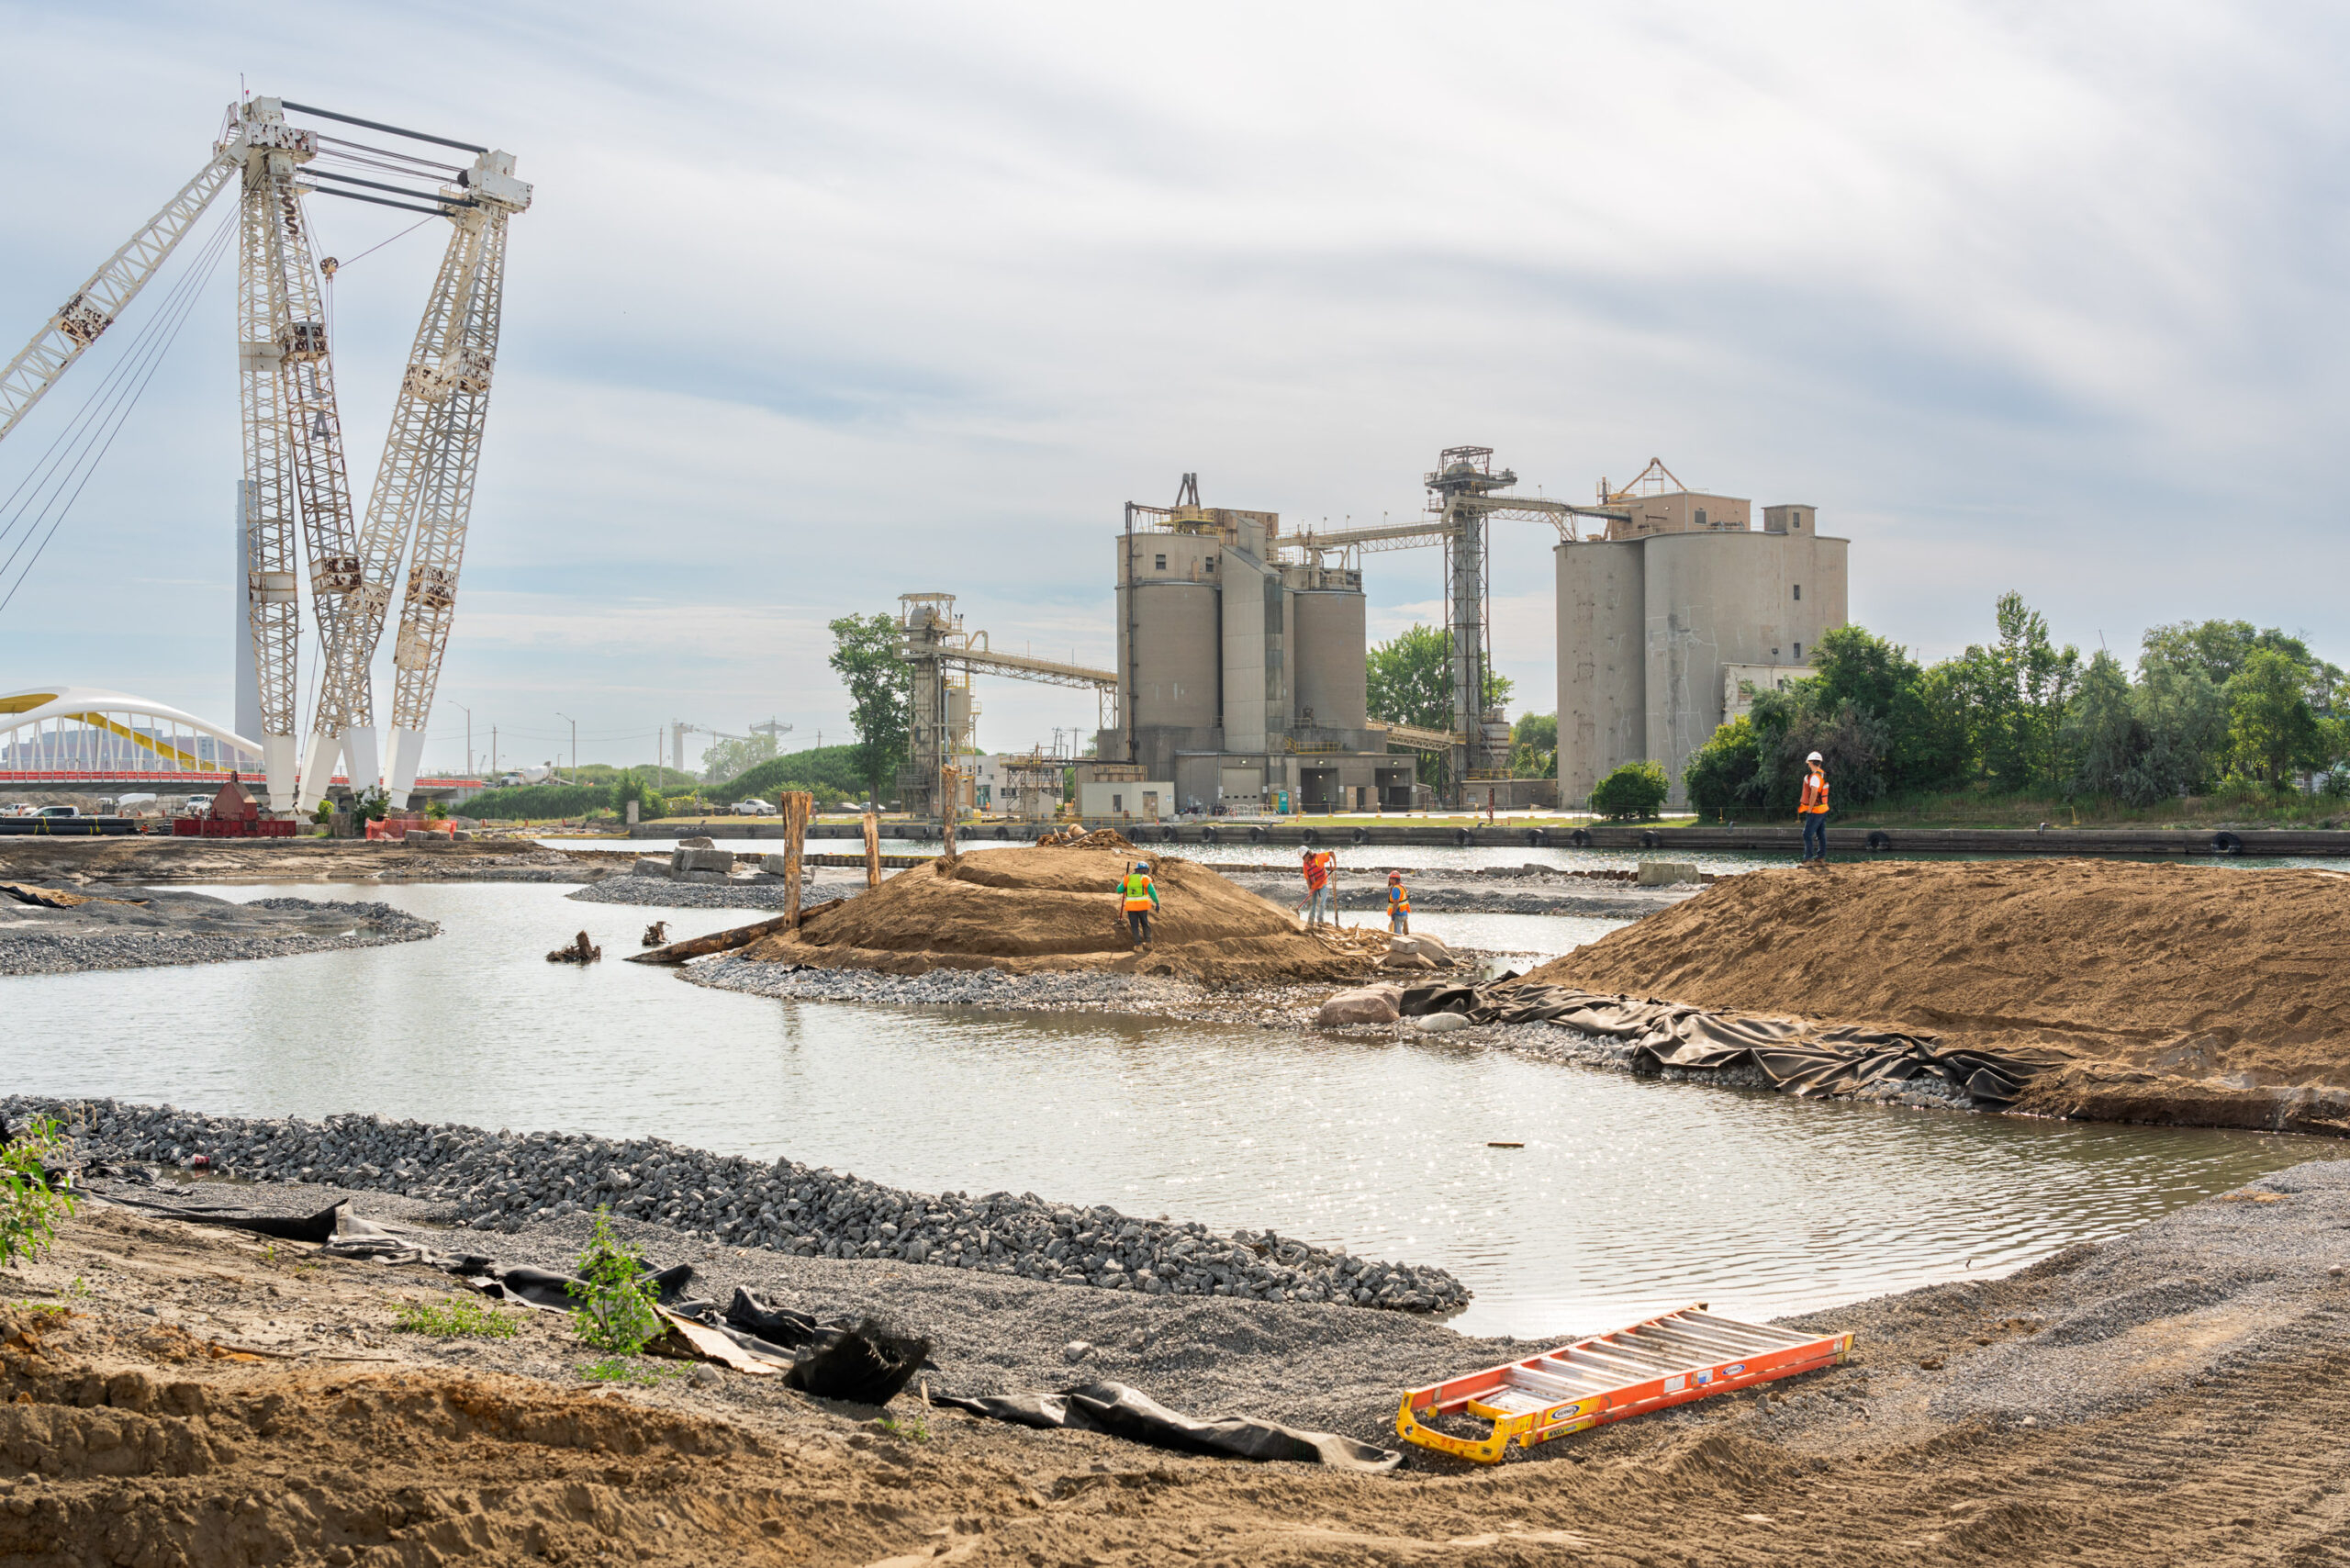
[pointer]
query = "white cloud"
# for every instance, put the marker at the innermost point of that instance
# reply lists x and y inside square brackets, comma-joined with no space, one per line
[820,305]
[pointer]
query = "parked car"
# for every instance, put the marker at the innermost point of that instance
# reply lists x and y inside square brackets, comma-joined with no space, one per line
[59,812]
[755,807]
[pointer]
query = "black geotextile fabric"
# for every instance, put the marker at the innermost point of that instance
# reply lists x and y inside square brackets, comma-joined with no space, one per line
[1796,1056]
[864,1362]
[1121,1412]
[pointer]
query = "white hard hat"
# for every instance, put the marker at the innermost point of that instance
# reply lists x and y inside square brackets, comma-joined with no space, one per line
[1815,756]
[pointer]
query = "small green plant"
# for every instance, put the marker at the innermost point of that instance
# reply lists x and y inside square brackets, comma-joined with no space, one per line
[29,1207]
[627,1369]
[914,1430]
[615,1311]
[69,1297]
[436,811]
[455,1318]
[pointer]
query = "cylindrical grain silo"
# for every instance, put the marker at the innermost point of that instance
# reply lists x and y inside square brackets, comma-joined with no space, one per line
[1175,673]
[1326,652]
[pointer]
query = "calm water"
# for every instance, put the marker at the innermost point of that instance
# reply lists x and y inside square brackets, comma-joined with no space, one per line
[1628,1195]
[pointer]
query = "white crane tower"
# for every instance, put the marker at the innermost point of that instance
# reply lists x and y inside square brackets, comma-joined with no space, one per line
[293,435]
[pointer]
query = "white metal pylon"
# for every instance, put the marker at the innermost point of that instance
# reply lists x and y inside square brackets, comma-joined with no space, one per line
[424,485]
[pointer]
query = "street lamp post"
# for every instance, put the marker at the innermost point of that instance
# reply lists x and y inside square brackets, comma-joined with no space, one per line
[574,744]
[469,735]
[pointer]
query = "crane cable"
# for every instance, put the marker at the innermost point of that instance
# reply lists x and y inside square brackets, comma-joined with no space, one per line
[59,476]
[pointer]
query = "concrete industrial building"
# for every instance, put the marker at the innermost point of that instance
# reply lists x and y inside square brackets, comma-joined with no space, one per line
[1664,616]
[1242,674]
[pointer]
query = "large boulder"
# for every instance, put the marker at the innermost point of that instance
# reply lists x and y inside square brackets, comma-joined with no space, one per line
[1664,873]
[651,866]
[686,859]
[1427,947]
[1369,1004]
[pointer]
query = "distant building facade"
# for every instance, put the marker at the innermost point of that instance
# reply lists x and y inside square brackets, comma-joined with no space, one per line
[1664,616]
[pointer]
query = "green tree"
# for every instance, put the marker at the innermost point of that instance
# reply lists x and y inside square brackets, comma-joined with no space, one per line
[880,694]
[2220,649]
[2018,690]
[1634,790]
[1720,775]
[2272,730]
[1534,746]
[1790,725]
[2186,719]
[1923,711]
[2105,736]
[1409,680]
[727,758]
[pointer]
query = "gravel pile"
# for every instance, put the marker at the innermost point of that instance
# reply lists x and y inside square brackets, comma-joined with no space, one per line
[498,1180]
[172,927]
[1046,993]
[757,891]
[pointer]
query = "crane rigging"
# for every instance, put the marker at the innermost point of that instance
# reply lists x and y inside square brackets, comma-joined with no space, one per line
[422,498]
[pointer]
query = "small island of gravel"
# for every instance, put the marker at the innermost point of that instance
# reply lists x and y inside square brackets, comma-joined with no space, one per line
[49,931]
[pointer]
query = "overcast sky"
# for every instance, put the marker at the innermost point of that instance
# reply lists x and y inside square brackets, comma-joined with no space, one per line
[819,305]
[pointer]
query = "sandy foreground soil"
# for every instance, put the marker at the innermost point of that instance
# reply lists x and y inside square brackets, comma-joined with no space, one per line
[207,1398]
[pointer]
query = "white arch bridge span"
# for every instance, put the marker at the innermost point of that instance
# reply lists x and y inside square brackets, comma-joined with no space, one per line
[87,738]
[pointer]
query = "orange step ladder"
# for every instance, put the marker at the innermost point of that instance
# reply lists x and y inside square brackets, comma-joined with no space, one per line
[1657,1363]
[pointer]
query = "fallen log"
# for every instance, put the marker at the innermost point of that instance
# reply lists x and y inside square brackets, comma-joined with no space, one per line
[723,941]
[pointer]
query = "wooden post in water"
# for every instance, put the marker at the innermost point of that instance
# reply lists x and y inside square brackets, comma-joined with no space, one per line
[872,850]
[798,804]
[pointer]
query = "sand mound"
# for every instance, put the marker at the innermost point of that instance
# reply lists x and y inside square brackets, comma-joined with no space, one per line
[1056,908]
[2188,971]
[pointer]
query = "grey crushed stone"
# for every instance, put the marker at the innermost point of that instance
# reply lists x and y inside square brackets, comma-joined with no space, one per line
[503,1180]
[757,890]
[169,926]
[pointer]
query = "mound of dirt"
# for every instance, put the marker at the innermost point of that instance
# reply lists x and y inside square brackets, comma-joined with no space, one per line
[1028,910]
[2225,980]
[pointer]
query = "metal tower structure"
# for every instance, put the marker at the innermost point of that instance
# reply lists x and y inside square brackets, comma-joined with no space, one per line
[1465,494]
[292,436]
[942,657]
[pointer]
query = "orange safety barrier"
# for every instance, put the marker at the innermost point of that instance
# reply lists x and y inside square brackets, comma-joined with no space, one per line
[1657,1363]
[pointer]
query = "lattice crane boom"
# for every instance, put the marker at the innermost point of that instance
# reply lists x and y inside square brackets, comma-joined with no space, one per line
[433,456]
[98,302]
[293,461]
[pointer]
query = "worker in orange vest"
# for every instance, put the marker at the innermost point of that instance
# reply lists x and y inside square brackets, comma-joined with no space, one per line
[1141,896]
[1319,899]
[1813,809]
[1399,906]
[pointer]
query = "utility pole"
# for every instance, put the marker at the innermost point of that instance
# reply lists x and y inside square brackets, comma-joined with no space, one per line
[574,744]
[469,733]
[493,751]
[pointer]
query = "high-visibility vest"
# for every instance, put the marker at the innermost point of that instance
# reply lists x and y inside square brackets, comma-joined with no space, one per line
[1398,900]
[1139,892]
[1815,796]
[1317,871]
